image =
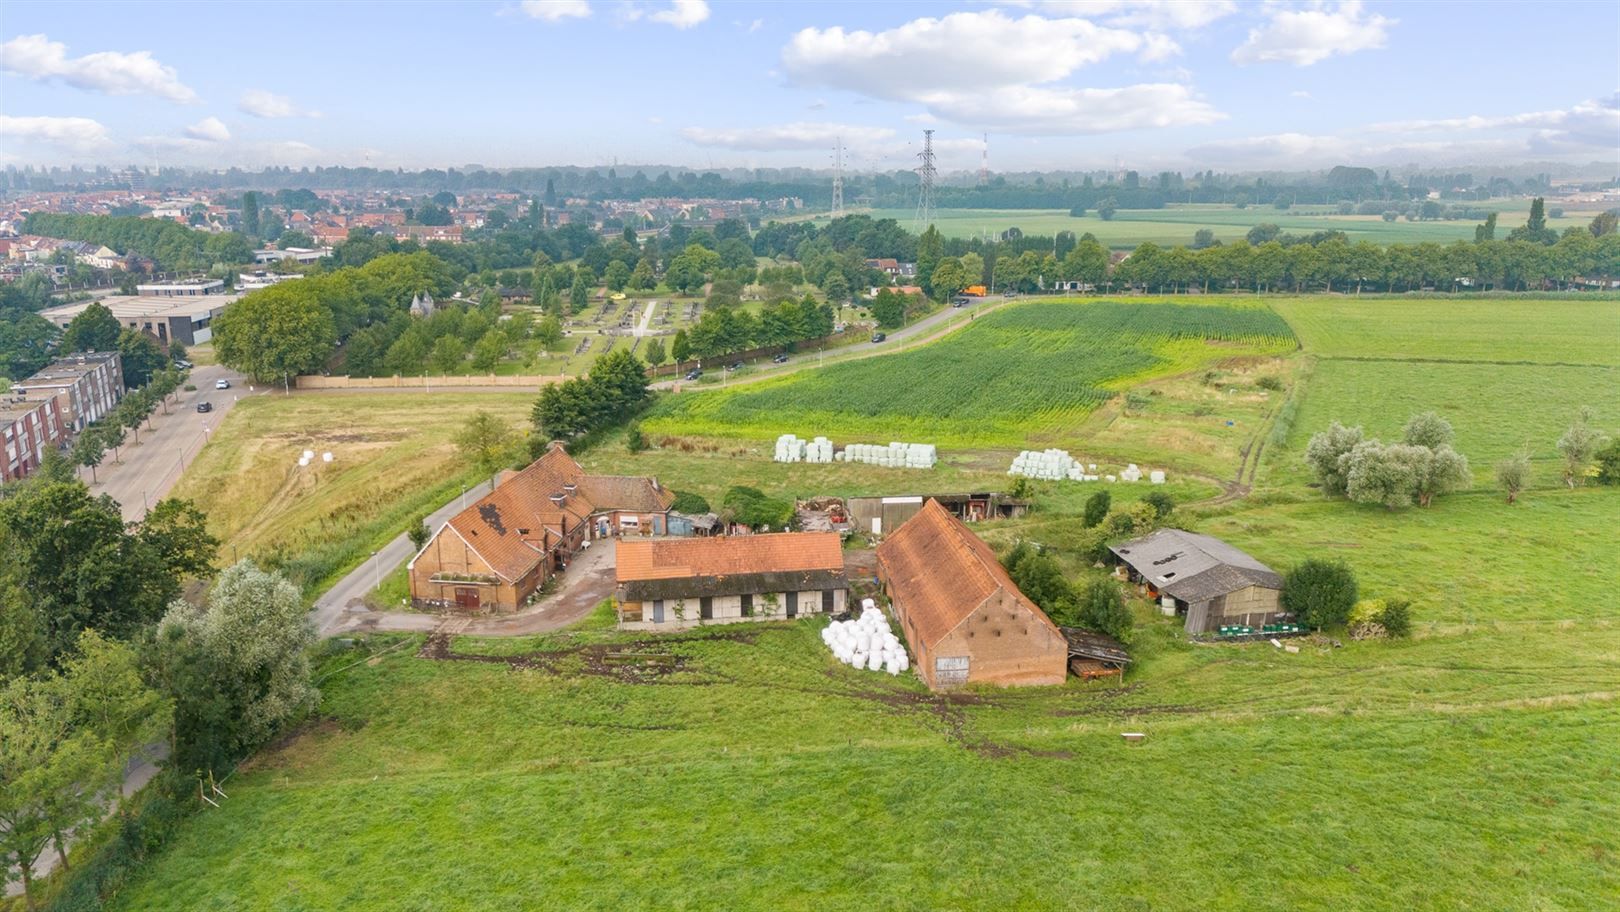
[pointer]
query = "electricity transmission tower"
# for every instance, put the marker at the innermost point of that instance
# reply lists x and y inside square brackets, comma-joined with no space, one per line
[984,161]
[925,189]
[838,179]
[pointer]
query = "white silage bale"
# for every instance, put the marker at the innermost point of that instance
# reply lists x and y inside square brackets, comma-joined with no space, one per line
[868,605]
[874,662]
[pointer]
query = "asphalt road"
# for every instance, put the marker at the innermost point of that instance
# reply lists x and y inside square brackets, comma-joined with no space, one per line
[144,473]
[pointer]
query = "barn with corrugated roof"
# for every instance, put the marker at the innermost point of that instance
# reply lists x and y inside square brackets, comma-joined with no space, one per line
[1207,581]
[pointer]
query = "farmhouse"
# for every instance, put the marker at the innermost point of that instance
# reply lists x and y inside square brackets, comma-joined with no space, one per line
[1203,579]
[676,582]
[497,552]
[964,620]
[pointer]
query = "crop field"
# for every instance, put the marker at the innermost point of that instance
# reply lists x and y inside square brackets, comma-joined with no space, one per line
[392,459]
[1019,375]
[1177,223]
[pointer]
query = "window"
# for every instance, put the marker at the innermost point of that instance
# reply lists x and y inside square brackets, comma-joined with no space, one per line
[706,608]
[658,611]
[828,600]
[748,605]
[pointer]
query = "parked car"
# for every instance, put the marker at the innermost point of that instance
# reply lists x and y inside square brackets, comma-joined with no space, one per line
[879,337]
[205,406]
[736,366]
[960,302]
[693,374]
[183,364]
[222,384]
[780,359]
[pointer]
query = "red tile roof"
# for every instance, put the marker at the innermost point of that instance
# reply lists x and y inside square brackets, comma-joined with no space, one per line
[778,552]
[942,572]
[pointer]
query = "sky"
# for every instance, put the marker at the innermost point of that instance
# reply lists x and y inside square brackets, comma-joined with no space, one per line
[1083,84]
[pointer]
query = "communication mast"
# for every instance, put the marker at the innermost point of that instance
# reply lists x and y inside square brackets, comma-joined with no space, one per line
[984,162]
[925,190]
[838,178]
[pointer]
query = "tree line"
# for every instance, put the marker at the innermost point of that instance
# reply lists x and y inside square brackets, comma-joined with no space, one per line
[170,244]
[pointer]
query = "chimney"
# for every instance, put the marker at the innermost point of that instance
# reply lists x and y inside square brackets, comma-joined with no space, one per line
[558,499]
[570,488]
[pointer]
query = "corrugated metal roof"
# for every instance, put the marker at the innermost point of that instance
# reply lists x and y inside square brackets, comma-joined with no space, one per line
[1193,567]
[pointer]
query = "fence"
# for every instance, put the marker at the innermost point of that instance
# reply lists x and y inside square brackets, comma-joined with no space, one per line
[319,382]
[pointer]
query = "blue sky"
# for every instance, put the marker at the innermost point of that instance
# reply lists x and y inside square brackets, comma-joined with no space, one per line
[1078,84]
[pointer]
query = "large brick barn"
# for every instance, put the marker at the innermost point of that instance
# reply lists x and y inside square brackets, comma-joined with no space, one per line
[964,620]
[493,555]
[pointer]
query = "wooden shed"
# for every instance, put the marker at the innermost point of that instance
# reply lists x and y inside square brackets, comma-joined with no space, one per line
[964,620]
[1203,579]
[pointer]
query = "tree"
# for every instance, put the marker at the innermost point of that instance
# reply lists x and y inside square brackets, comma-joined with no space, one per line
[89,449]
[93,329]
[1487,231]
[655,352]
[276,332]
[1097,508]
[1102,608]
[548,331]
[1513,474]
[641,278]
[487,442]
[1203,238]
[1040,578]
[1604,223]
[1578,444]
[489,351]
[448,353]
[236,669]
[579,293]
[1262,233]
[1427,429]
[680,347]
[1327,454]
[1608,463]
[419,532]
[930,249]
[617,276]
[950,277]
[1319,593]
[1162,503]
[250,214]
[889,308]
[1107,208]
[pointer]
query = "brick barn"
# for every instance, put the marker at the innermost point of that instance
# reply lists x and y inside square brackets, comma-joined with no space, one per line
[493,555]
[964,620]
[672,583]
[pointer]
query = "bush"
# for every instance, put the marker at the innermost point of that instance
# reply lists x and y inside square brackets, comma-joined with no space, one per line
[751,507]
[1397,618]
[1097,508]
[1372,619]
[1269,382]
[689,503]
[1608,463]
[635,441]
[1163,504]
[1319,593]
[1102,608]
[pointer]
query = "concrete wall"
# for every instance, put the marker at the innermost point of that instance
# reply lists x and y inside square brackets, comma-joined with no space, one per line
[727,609]
[317,382]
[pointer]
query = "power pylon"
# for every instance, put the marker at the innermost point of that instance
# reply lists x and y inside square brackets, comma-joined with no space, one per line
[984,161]
[925,190]
[838,178]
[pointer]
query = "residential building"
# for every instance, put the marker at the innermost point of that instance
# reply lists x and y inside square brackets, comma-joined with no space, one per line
[101,258]
[671,583]
[494,555]
[964,620]
[1203,579]
[29,430]
[86,385]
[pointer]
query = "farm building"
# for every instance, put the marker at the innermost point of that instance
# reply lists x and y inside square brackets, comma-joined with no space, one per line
[497,552]
[880,514]
[964,620]
[1203,579]
[1095,655]
[673,583]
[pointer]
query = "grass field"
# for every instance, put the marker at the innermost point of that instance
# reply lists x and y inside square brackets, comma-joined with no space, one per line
[1177,223]
[1467,767]
[1017,376]
[393,459]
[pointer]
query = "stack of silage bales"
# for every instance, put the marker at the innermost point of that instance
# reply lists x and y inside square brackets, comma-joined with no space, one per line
[1049,464]
[896,455]
[1131,473]
[789,449]
[1156,477]
[867,642]
[819,450]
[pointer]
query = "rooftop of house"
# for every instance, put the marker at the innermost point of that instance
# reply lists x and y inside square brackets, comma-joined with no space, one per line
[67,369]
[942,572]
[777,552]
[1193,567]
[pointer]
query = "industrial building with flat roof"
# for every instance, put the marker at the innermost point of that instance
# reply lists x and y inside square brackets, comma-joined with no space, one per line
[185,320]
[190,288]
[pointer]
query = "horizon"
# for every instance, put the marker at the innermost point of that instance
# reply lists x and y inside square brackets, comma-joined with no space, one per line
[1117,84]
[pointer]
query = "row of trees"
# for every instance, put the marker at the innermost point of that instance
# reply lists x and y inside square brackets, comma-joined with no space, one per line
[723,330]
[1422,466]
[170,244]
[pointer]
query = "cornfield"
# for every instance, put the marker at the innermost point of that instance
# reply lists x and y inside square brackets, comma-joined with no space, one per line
[1036,367]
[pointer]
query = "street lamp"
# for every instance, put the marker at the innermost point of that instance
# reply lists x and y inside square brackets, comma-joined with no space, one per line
[376,571]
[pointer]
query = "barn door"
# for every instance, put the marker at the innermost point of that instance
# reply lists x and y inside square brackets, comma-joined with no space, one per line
[706,608]
[467,598]
[949,670]
[793,604]
[1198,617]
[658,611]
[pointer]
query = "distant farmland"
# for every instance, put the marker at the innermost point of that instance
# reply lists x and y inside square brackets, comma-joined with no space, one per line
[1034,367]
[1176,224]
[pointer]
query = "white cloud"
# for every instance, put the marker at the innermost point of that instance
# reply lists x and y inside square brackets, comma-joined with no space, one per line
[111,72]
[1159,46]
[1299,93]
[75,134]
[1067,112]
[556,10]
[1159,14]
[927,55]
[209,129]
[1306,36]
[1278,148]
[1588,128]
[683,14]
[784,137]
[261,103]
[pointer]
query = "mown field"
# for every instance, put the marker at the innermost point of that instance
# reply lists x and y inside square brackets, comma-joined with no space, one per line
[1018,375]
[1178,222]
[1467,767]
[393,458]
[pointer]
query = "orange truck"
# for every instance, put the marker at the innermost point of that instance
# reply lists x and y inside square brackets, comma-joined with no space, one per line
[975,291]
